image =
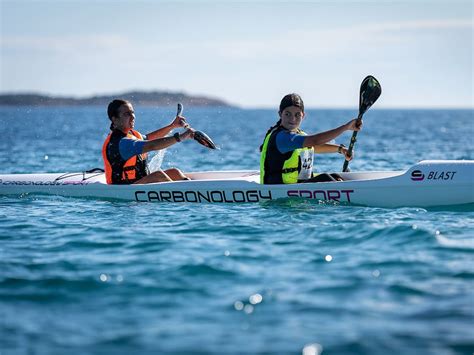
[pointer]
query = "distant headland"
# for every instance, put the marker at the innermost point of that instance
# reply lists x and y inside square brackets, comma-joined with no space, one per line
[141,98]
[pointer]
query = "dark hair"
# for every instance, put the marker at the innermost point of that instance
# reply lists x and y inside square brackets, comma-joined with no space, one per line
[291,100]
[112,109]
[287,101]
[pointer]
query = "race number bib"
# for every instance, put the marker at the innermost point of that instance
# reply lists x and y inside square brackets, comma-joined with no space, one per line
[306,159]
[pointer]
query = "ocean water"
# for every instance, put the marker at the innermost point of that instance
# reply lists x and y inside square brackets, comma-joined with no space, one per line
[82,276]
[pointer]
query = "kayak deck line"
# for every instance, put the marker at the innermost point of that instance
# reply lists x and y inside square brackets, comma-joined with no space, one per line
[425,184]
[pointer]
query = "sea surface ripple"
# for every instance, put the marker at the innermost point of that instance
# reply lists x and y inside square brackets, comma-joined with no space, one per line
[85,276]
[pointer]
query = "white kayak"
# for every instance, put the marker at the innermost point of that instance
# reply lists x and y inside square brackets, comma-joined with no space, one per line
[427,183]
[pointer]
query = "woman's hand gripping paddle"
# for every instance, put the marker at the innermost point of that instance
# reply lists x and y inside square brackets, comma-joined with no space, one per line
[370,91]
[199,136]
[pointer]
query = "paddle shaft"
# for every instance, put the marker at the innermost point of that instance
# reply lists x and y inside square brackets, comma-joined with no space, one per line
[351,144]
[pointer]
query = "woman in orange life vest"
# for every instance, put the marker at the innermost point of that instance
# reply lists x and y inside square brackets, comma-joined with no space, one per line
[124,150]
[287,152]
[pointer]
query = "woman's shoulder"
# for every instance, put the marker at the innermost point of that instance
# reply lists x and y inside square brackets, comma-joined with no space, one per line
[285,134]
[287,141]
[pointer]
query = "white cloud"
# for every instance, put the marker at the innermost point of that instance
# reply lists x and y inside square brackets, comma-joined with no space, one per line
[227,67]
[292,43]
[320,42]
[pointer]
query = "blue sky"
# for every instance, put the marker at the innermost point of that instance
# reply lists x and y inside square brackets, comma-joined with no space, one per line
[247,53]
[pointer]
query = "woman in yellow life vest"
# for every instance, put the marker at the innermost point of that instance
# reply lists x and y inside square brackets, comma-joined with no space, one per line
[125,150]
[287,152]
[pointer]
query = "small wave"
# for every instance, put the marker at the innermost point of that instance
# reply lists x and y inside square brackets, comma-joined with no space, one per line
[204,270]
[47,289]
[468,207]
[401,234]
[454,243]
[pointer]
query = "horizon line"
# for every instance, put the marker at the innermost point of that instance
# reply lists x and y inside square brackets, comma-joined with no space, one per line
[267,108]
[231,105]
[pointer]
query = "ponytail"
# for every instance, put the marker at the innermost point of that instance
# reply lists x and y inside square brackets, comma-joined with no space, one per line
[269,130]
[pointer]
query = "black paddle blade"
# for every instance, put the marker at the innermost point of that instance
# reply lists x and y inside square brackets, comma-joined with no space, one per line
[204,139]
[370,91]
[180,110]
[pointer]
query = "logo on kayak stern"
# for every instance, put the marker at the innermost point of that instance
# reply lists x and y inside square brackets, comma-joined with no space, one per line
[417,175]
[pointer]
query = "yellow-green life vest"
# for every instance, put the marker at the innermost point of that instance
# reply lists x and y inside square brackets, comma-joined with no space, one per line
[284,168]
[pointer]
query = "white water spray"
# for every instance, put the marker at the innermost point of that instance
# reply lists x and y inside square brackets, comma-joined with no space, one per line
[155,162]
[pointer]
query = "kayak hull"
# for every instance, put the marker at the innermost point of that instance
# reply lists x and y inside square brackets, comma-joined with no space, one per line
[425,184]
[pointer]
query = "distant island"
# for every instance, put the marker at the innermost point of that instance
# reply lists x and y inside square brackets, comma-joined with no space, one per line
[141,98]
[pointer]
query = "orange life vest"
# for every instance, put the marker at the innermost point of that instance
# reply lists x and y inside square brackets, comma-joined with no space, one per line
[118,170]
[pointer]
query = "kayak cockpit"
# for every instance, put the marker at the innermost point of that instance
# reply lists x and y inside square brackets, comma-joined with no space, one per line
[254,175]
[242,175]
[370,175]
